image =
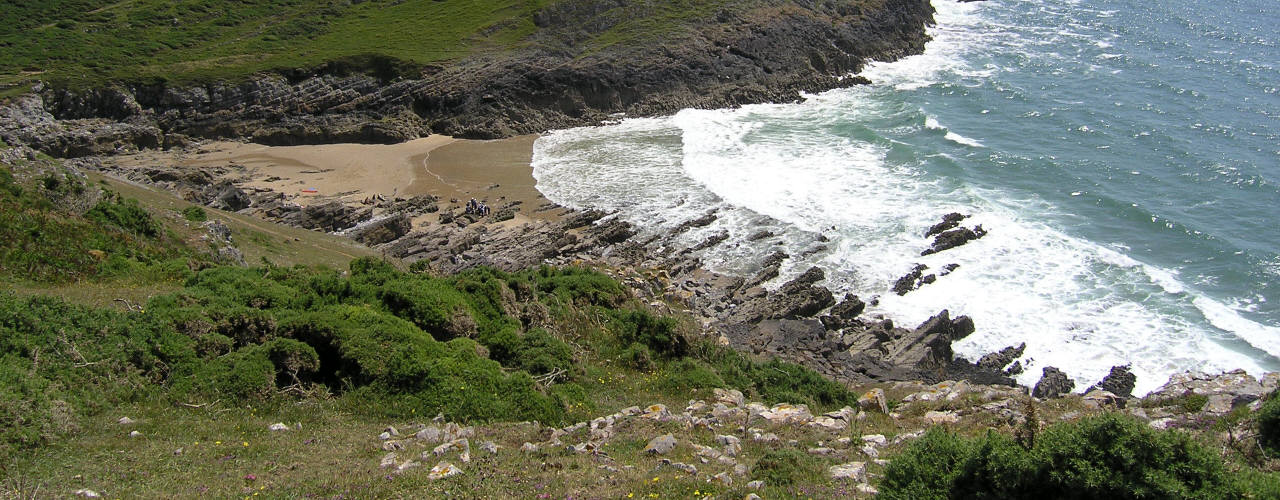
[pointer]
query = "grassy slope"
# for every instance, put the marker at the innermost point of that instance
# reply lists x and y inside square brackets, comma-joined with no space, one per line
[83,43]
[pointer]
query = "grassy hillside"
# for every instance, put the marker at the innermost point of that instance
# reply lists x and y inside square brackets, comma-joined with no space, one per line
[79,42]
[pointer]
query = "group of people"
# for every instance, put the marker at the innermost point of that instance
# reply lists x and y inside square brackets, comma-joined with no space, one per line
[475,207]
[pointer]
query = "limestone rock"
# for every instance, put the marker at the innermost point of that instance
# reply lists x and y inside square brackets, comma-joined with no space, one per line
[278,427]
[661,445]
[443,470]
[856,471]
[941,417]
[874,400]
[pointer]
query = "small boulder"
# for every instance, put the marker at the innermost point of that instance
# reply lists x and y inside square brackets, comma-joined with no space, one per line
[874,400]
[443,470]
[941,417]
[661,445]
[125,421]
[856,471]
[278,427]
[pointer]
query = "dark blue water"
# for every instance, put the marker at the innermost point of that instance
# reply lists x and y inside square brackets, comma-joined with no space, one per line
[1124,155]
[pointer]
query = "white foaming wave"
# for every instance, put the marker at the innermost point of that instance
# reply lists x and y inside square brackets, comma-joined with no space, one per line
[960,28]
[960,139]
[1262,337]
[1065,297]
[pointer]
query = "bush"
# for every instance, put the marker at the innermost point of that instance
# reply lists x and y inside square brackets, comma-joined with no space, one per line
[1269,424]
[655,332]
[195,213]
[124,213]
[688,374]
[1105,456]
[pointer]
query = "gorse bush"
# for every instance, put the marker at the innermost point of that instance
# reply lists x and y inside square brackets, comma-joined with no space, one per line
[124,213]
[1105,456]
[1268,422]
[195,213]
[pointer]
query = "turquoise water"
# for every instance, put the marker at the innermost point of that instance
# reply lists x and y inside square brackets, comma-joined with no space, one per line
[1125,157]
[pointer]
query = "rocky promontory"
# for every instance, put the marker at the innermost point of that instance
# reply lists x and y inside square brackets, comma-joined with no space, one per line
[767,51]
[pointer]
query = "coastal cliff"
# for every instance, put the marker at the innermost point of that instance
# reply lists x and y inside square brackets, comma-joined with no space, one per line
[581,65]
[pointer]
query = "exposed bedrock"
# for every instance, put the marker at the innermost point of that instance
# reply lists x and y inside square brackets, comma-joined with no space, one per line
[770,52]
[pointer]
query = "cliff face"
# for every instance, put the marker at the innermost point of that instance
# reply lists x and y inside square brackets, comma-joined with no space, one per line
[769,52]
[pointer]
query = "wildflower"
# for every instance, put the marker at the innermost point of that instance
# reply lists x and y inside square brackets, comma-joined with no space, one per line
[246,444]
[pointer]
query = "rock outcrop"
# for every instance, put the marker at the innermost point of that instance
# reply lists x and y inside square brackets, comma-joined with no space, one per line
[1053,383]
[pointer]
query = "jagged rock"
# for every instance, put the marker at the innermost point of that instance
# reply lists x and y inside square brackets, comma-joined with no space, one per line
[230,198]
[949,221]
[910,281]
[996,361]
[661,445]
[429,434]
[1053,383]
[954,238]
[798,298]
[856,471]
[844,313]
[381,230]
[1119,381]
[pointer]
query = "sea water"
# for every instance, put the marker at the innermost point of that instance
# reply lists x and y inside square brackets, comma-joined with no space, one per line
[1123,155]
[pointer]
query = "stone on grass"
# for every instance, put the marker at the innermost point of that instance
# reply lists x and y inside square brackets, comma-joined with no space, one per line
[278,426]
[729,396]
[868,489]
[874,400]
[784,413]
[384,436]
[388,460]
[392,445]
[490,447]
[135,434]
[408,464]
[755,485]
[856,471]
[941,417]
[123,421]
[661,445]
[723,479]
[430,434]
[751,496]
[875,439]
[87,493]
[443,470]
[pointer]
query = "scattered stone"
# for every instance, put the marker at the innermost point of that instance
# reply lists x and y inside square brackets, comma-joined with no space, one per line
[856,471]
[388,460]
[490,447]
[125,421]
[784,413]
[661,445]
[443,470]
[875,439]
[867,489]
[1053,383]
[822,451]
[874,400]
[731,397]
[135,434]
[278,426]
[766,438]
[1098,399]
[752,496]
[941,417]
[409,464]
[384,436]
[723,479]
[726,439]
[656,412]
[528,447]
[87,493]
[392,445]
[430,434]
[755,485]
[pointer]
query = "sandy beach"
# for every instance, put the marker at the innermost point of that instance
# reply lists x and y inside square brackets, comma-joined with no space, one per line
[495,172]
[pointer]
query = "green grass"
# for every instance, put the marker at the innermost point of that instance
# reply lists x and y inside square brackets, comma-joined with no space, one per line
[79,43]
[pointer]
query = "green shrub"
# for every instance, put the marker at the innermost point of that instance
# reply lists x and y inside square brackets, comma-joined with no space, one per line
[580,286]
[195,213]
[1269,423]
[124,213]
[1105,456]
[655,332]
[637,357]
[540,353]
[689,374]
[786,467]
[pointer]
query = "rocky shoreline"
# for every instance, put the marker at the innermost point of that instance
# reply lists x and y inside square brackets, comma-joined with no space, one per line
[765,52]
